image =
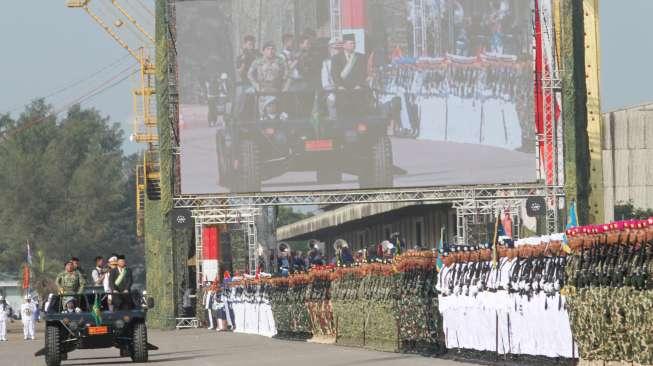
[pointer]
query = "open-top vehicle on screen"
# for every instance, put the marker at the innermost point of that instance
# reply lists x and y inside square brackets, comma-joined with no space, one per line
[95,319]
[276,133]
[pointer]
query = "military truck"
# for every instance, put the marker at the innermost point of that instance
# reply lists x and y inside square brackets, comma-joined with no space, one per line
[95,319]
[278,133]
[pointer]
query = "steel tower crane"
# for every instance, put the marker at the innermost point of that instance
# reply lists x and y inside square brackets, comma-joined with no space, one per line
[124,28]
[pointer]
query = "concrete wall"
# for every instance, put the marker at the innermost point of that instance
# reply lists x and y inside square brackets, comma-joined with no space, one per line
[628,157]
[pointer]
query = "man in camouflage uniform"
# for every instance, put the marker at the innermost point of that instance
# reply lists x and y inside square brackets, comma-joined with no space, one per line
[268,73]
[70,281]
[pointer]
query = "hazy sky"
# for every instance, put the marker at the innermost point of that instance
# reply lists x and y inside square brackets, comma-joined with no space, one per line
[626,52]
[46,46]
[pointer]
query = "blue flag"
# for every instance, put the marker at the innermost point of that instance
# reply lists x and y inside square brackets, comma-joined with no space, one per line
[572,216]
[572,221]
[438,260]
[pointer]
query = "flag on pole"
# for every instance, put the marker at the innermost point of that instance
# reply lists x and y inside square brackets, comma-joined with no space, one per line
[29,254]
[96,312]
[25,276]
[572,215]
[572,221]
[438,260]
[495,241]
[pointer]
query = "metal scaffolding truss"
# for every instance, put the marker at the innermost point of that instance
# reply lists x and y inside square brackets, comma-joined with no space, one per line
[551,138]
[472,214]
[246,216]
[440,194]
[227,215]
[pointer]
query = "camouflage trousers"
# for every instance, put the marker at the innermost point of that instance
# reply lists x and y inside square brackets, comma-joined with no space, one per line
[613,324]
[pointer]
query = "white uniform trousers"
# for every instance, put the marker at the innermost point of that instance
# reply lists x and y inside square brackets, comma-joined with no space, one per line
[28,328]
[3,329]
[210,314]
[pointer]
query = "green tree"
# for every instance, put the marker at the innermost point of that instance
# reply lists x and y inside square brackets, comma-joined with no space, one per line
[627,211]
[66,187]
[286,215]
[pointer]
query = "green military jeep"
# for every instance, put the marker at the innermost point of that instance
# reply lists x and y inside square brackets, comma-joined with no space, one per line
[95,319]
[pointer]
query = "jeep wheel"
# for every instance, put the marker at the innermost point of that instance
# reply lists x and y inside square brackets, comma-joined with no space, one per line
[53,345]
[249,170]
[380,175]
[329,176]
[139,343]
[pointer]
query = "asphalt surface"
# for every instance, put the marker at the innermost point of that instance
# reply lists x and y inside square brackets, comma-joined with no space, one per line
[200,347]
[426,162]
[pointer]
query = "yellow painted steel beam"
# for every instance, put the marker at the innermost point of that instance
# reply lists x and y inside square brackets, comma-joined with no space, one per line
[122,10]
[594,118]
[140,200]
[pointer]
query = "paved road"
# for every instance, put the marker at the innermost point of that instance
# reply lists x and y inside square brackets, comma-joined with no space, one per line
[426,162]
[200,347]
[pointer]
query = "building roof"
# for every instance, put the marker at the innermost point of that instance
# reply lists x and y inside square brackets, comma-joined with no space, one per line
[639,106]
[7,280]
[336,217]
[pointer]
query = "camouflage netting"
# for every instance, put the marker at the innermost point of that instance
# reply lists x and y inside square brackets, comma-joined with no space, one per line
[364,312]
[420,323]
[610,294]
[319,306]
[289,309]
[613,324]
[376,306]
[388,311]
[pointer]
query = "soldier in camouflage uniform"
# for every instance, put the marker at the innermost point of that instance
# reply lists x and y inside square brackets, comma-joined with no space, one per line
[70,281]
[268,74]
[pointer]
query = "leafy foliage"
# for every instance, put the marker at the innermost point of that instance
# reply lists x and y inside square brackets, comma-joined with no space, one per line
[627,210]
[286,215]
[65,187]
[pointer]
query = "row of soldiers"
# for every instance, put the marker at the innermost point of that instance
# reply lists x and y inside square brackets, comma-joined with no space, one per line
[29,314]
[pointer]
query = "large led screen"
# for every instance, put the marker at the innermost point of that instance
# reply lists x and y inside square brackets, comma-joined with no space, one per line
[306,95]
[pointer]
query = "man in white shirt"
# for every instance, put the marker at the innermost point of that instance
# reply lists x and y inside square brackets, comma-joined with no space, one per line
[99,272]
[208,305]
[328,85]
[27,312]
[113,263]
[5,313]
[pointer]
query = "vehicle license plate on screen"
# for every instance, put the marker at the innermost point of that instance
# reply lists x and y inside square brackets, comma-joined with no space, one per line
[318,145]
[98,330]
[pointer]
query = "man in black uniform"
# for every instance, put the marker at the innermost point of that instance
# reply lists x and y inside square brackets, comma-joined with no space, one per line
[349,72]
[120,282]
[349,68]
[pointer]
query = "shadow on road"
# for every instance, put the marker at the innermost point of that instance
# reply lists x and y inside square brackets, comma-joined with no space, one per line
[154,358]
[375,360]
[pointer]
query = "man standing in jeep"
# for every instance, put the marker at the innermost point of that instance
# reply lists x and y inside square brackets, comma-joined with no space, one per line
[120,282]
[349,67]
[70,281]
[268,73]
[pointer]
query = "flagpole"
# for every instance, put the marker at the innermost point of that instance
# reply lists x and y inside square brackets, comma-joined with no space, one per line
[494,241]
[29,269]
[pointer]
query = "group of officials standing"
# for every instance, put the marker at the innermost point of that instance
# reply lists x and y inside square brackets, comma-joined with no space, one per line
[302,68]
[116,279]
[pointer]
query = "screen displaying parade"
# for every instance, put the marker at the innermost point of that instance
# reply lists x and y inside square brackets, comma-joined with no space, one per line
[401,93]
